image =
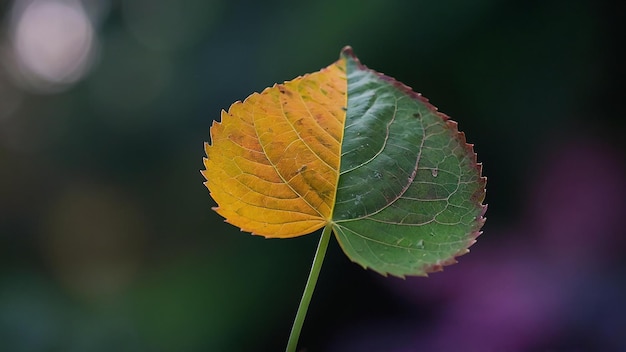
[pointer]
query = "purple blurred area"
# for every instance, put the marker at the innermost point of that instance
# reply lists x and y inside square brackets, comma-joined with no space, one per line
[107,237]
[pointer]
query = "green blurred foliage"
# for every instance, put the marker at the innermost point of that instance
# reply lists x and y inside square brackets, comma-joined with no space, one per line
[107,238]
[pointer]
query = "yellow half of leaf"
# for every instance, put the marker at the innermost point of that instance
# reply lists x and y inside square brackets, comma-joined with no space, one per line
[278,153]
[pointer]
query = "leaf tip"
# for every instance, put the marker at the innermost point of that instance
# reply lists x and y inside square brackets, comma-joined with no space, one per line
[347,52]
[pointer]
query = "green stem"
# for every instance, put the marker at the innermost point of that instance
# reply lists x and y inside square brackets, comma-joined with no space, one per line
[308,289]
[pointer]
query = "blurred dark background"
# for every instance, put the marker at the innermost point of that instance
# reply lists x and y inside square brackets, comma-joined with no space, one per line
[107,237]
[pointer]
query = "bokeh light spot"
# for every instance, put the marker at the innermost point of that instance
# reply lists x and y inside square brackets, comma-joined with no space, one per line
[53,43]
[93,238]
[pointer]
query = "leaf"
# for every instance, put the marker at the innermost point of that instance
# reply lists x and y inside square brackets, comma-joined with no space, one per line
[351,148]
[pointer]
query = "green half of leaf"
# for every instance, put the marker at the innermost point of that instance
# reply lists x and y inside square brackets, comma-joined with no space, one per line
[410,191]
